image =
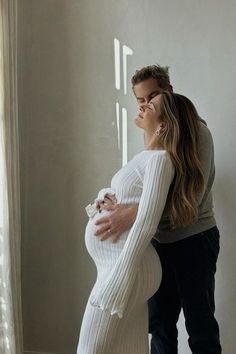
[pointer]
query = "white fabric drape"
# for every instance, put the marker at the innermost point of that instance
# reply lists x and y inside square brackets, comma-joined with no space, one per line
[11,338]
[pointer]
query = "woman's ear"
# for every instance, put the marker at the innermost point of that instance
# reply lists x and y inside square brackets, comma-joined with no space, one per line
[161,128]
[158,131]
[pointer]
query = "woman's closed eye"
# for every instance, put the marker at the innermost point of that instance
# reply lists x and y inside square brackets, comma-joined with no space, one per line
[150,106]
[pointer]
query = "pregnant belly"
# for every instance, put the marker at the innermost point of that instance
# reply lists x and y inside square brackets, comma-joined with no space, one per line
[104,253]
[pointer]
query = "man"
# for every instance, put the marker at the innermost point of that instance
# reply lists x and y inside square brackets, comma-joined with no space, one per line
[188,254]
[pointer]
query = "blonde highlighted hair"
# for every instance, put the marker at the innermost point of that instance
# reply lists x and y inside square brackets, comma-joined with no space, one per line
[180,138]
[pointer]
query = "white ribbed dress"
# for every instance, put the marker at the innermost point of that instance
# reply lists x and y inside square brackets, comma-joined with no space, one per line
[129,271]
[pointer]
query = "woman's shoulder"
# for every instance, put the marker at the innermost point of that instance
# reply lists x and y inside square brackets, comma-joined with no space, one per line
[147,157]
[147,154]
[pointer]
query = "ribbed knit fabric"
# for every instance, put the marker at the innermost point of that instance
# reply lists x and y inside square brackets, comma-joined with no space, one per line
[129,271]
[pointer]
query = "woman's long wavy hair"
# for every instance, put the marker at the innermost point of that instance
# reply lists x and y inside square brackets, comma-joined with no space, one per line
[180,138]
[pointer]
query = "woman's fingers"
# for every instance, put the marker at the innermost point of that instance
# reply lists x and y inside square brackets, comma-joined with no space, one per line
[99,205]
[110,199]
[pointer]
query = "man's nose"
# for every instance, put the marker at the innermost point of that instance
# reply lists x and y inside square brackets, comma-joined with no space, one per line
[141,108]
[143,104]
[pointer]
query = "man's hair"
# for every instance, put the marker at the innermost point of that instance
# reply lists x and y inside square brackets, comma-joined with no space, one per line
[157,72]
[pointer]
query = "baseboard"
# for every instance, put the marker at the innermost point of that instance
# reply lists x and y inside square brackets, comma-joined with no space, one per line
[31,352]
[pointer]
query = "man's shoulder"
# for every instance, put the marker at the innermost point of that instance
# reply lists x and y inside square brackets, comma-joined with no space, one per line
[205,136]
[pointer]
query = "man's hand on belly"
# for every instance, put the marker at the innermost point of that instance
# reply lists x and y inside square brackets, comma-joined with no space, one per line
[119,220]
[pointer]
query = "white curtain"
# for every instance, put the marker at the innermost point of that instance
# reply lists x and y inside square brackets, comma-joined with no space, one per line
[11,338]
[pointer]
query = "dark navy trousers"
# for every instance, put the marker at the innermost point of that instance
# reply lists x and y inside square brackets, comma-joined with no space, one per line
[188,282]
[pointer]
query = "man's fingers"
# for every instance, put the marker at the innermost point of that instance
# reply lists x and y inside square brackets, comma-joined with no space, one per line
[104,237]
[103,234]
[104,220]
[101,231]
[115,238]
[109,207]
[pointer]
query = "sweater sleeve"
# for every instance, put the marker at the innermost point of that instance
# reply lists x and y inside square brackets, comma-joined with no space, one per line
[114,293]
[103,192]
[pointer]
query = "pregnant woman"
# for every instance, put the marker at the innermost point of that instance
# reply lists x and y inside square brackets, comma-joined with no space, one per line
[166,175]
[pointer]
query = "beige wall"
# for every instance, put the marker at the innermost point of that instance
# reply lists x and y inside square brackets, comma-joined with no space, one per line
[69,139]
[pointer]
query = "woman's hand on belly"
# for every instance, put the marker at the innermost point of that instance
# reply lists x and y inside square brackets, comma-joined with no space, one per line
[109,199]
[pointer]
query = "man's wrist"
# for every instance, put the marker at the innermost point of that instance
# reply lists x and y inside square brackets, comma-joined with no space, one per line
[133,209]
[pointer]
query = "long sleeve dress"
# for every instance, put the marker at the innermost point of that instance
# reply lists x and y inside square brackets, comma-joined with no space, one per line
[129,271]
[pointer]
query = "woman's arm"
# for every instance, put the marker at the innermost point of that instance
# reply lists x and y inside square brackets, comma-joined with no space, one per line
[116,289]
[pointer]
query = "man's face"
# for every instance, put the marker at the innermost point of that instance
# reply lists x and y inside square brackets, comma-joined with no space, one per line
[146,90]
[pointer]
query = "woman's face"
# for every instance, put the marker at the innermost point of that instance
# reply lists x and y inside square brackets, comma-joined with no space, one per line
[148,118]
